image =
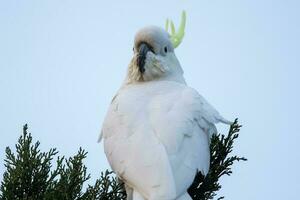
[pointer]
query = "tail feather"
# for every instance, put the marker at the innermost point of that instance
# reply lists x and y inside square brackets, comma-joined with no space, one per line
[224,121]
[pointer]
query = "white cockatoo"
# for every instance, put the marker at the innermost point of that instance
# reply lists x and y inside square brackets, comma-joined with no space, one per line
[157,130]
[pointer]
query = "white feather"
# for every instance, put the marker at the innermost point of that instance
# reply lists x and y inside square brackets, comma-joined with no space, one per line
[157,133]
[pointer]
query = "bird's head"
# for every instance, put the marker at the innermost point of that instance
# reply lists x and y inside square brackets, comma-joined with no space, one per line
[154,56]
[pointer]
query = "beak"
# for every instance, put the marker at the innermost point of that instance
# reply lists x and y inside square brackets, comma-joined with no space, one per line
[143,50]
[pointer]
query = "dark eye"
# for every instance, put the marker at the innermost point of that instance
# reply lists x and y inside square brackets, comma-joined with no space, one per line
[133,49]
[166,50]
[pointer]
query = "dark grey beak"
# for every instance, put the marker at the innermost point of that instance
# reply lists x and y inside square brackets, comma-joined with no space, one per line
[143,50]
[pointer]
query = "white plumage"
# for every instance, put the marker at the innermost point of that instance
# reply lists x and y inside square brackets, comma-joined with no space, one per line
[156,132]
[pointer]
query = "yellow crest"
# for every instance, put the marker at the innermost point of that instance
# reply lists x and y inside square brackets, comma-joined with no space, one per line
[176,36]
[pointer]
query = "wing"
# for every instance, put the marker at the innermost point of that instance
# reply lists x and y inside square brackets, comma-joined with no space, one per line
[183,121]
[205,114]
[178,111]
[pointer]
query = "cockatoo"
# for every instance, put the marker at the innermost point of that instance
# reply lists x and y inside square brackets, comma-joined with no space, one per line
[157,130]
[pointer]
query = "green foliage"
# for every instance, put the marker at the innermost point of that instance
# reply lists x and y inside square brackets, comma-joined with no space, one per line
[29,175]
[34,175]
[205,187]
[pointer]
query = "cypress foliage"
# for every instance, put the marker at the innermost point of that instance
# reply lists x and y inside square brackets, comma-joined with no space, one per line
[30,175]
[221,146]
[35,175]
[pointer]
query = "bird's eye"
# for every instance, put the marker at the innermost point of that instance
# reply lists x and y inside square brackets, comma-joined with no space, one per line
[166,50]
[133,49]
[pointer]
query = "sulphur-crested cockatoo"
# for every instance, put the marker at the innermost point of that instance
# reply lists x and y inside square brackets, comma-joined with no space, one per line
[156,132]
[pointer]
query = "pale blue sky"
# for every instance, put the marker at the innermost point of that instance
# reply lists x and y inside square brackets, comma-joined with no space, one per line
[62,61]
